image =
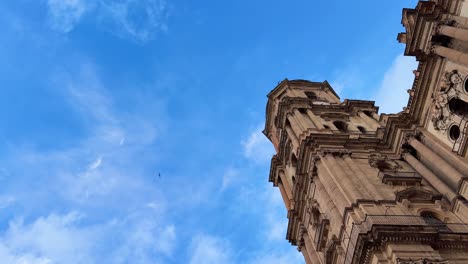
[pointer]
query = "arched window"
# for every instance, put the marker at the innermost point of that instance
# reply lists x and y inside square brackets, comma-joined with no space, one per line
[362,129]
[340,125]
[326,127]
[458,106]
[311,95]
[454,132]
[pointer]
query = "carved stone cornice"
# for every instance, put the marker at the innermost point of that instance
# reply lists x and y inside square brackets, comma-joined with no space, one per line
[421,261]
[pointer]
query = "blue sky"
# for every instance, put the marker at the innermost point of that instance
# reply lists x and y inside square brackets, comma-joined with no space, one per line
[99,97]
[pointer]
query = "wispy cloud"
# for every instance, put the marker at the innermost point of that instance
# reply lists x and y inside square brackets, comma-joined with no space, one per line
[206,249]
[257,147]
[65,14]
[392,95]
[138,20]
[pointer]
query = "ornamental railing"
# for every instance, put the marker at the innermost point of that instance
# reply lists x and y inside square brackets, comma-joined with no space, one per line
[397,220]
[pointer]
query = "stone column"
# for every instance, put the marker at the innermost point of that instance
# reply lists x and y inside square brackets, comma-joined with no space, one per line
[293,137]
[296,127]
[372,123]
[331,188]
[300,119]
[314,119]
[453,32]
[371,190]
[451,54]
[376,116]
[286,184]
[446,154]
[461,21]
[436,163]
[342,180]
[306,256]
[310,249]
[439,185]
[326,201]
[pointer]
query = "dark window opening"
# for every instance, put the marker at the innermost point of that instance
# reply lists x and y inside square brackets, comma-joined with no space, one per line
[466,85]
[430,218]
[340,125]
[311,95]
[293,160]
[303,110]
[454,132]
[326,127]
[368,113]
[362,129]
[458,106]
[383,165]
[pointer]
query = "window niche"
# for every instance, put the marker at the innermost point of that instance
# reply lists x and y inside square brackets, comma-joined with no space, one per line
[454,132]
[341,126]
[458,106]
[311,95]
[362,129]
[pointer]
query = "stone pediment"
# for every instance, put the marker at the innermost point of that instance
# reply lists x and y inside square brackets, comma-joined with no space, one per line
[417,195]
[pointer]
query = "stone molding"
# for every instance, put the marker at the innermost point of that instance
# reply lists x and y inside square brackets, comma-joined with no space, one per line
[335,152]
[421,261]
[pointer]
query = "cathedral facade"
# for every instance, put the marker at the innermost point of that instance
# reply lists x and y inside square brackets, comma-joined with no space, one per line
[360,187]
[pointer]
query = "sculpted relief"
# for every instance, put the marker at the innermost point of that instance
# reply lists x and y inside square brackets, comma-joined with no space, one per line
[441,115]
[383,163]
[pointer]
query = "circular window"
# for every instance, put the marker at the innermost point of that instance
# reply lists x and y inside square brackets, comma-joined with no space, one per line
[454,132]
[466,85]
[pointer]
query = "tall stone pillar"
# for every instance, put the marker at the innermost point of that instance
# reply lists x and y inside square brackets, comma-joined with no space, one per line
[310,249]
[314,119]
[460,21]
[361,176]
[453,32]
[324,199]
[371,122]
[342,179]
[436,163]
[446,154]
[331,188]
[293,137]
[451,54]
[439,185]
[296,127]
[286,184]
[300,119]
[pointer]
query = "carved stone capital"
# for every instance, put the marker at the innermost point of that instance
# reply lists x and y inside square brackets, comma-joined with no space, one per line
[382,162]
[335,152]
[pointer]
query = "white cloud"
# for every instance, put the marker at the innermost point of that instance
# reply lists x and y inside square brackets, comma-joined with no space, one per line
[207,249]
[257,147]
[52,239]
[65,14]
[229,177]
[95,164]
[137,19]
[392,95]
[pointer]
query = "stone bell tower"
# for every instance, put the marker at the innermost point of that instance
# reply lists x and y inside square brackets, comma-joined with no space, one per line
[361,187]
